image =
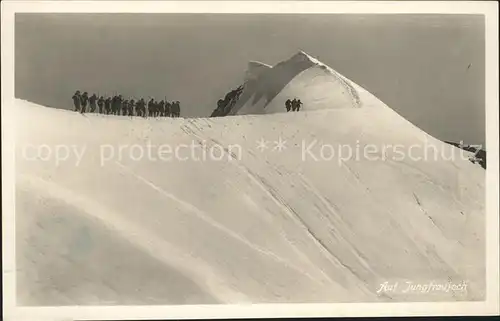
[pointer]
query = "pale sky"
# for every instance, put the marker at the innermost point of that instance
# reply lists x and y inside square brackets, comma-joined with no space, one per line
[429,68]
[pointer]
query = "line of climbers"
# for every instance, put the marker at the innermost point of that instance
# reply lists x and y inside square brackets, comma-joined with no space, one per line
[225,105]
[293,105]
[116,105]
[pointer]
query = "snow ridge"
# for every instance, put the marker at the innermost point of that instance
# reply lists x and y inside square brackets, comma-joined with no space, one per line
[345,83]
[318,86]
[262,227]
[255,69]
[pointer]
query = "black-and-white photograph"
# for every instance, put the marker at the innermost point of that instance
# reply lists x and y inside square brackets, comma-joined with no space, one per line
[204,158]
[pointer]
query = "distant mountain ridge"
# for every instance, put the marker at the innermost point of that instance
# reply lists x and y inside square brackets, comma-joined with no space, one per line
[479,156]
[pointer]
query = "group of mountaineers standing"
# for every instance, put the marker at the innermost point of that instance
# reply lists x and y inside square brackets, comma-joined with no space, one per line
[293,105]
[116,105]
[225,105]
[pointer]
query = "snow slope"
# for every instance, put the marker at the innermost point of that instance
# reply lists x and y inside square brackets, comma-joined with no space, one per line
[256,226]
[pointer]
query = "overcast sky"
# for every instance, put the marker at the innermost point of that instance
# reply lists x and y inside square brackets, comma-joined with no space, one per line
[429,68]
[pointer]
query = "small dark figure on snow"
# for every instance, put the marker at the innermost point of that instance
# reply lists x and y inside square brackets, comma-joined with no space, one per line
[173,109]
[168,109]
[156,110]
[125,107]
[221,103]
[176,109]
[138,108]
[131,105]
[294,104]
[100,104]
[299,104]
[92,102]
[288,105]
[161,108]
[120,104]
[114,104]
[141,107]
[77,100]
[107,105]
[84,100]
[151,107]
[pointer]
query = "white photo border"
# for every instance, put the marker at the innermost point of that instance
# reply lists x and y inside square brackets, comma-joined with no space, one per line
[488,307]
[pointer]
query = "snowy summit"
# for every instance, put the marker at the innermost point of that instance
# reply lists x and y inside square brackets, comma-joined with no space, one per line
[319,86]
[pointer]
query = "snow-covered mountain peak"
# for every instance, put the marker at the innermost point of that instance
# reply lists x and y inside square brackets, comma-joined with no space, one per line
[301,76]
[300,60]
[254,70]
[303,56]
